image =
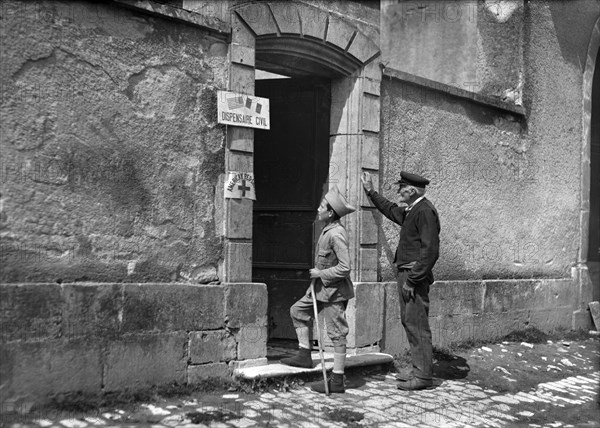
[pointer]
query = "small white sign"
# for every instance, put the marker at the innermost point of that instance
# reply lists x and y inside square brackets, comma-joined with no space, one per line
[240,185]
[243,110]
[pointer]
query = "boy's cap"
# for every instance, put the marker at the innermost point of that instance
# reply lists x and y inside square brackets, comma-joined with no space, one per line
[339,204]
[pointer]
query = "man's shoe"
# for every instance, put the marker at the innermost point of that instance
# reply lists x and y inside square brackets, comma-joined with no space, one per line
[335,383]
[415,384]
[405,374]
[301,359]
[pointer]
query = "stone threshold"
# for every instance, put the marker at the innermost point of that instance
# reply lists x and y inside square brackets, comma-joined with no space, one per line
[276,369]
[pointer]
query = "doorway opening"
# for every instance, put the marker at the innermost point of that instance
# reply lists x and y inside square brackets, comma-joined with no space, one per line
[290,167]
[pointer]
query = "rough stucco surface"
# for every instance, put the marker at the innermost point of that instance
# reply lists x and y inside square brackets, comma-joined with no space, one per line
[475,46]
[506,188]
[364,15]
[110,148]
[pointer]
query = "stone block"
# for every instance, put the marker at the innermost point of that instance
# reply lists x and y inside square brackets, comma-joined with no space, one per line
[490,326]
[456,298]
[239,162]
[582,277]
[238,223]
[30,312]
[503,296]
[364,314]
[372,71]
[211,346]
[370,152]
[314,22]
[196,374]
[368,231]
[450,330]
[240,34]
[240,139]
[241,79]
[552,318]
[258,17]
[394,340]
[339,32]
[581,319]
[44,368]
[139,361]
[363,48]
[245,305]
[368,264]
[338,159]
[345,107]
[172,307]
[369,304]
[287,17]
[216,9]
[256,362]
[241,54]
[237,265]
[252,342]
[370,113]
[91,310]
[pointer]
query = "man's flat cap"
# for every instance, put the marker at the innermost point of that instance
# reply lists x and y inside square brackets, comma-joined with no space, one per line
[407,178]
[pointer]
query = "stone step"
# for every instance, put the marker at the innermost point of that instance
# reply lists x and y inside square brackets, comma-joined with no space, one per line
[276,369]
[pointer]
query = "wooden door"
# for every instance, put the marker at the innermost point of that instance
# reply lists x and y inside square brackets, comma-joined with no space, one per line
[290,167]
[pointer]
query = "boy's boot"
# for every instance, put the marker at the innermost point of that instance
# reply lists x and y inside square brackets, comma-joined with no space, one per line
[335,382]
[302,358]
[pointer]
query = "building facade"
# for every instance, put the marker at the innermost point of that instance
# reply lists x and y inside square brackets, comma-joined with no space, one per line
[124,263]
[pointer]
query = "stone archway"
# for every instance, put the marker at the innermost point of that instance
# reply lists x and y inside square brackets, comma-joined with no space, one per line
[303,40]
[588,271]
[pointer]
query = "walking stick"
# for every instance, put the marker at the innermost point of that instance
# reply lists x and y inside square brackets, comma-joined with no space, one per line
[314,299]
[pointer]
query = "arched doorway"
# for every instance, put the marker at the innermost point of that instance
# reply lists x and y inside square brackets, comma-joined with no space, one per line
[327,133]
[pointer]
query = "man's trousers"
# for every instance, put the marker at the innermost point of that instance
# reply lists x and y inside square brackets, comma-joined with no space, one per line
[414,314]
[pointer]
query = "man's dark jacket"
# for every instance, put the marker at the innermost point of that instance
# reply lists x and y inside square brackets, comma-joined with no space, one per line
[419,244]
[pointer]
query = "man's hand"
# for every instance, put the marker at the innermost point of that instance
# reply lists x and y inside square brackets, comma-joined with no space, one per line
[408,292]
[315,273]
[367,182]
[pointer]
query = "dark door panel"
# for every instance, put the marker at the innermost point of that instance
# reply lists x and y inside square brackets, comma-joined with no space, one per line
[290,168]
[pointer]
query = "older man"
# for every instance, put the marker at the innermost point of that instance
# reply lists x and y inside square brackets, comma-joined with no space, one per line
[417,252]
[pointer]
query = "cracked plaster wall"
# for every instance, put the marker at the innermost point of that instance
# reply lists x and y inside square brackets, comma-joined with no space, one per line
[507,188]
[110,147]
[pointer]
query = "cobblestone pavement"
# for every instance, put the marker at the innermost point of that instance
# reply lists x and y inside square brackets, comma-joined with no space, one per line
[370,401]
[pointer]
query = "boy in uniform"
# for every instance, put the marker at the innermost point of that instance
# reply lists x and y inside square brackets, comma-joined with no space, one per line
[333,289]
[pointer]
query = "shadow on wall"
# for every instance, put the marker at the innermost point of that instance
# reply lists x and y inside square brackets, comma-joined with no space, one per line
[573,24]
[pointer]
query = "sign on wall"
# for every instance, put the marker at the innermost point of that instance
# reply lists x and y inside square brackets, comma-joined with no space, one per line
[243,110]
[240,185]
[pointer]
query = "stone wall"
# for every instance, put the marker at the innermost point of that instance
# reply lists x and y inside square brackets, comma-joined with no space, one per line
[107,337]
[462,311]
[506,186]
[110,147]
